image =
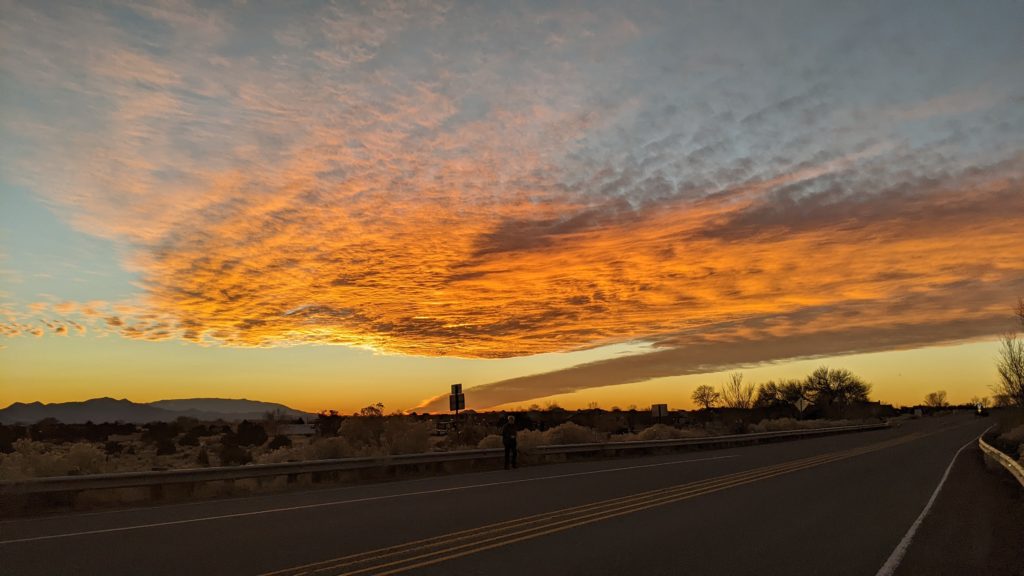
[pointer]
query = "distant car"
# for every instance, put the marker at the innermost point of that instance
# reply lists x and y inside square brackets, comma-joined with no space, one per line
[981,411]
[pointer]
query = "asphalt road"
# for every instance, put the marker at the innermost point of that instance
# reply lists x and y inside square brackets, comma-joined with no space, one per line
[832,505]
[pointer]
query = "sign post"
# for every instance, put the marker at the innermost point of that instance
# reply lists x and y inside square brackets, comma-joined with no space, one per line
[659,411]
[456,401]
[801,403]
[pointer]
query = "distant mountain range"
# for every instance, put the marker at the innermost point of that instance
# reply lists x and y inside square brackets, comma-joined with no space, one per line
[110,410]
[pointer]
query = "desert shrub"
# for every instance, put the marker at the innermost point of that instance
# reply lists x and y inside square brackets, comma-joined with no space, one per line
[362,431]
[233,454]
[779,424]
[280,455]
[165,446]
[565,433]
[611,423]
[490,441]
[8,434]
[229,438]
[32,459]
[527,439]
[572,433]
[86,458]
[328,423]
[156,431]
[406,436]
[280,441]
[318,449]
[468,434]
[251,434]
[191,438]
[203,457]
[324,448]
[1015,434]
[47,429]
[113,448]
[659,432]
[1010,440]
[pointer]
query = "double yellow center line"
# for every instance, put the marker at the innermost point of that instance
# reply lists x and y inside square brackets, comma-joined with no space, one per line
[419,553]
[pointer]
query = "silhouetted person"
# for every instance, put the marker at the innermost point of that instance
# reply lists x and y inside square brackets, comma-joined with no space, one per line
[508,438]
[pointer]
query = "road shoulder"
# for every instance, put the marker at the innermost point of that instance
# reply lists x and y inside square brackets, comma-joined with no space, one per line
[976,525]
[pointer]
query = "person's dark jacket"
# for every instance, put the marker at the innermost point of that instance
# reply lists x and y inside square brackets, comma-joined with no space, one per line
[508,434]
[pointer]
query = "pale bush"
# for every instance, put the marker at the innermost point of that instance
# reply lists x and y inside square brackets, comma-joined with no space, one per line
[491,441]
[318,449]
[572,433]
[659,432]
[403,436]
[566,433]
[527,439]
[327,448]
[781,424]
[86,458]
[361,431]
[280,455]
[13,467]
[38,459]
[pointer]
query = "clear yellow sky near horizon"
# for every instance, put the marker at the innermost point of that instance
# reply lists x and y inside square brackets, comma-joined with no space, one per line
[318,378]
[333,205]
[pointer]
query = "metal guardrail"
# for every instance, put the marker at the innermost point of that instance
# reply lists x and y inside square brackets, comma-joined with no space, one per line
[999,456]
[700,441]
[220,473]
[59,484]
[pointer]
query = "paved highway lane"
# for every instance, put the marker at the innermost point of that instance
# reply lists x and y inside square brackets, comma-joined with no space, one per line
[831,505]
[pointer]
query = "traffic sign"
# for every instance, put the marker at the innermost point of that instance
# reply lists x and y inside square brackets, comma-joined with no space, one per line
[659,410]
[457,402]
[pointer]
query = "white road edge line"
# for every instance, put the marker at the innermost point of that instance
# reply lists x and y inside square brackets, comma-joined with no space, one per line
[893,562]
[354,501]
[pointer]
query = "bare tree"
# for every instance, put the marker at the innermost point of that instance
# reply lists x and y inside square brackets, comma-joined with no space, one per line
[735,394]
[984,401]
[705,396]
[1010,364]
[936,399]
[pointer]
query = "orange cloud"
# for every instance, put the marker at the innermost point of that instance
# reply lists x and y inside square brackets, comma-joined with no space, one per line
[743,263]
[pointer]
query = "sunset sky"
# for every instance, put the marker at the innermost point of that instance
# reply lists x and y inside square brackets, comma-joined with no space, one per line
[334,204]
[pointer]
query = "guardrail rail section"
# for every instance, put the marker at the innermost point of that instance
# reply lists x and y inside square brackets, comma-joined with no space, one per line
[996,454]
[76,484]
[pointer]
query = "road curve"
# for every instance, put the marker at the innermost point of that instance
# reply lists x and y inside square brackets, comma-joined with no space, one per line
[831,505]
